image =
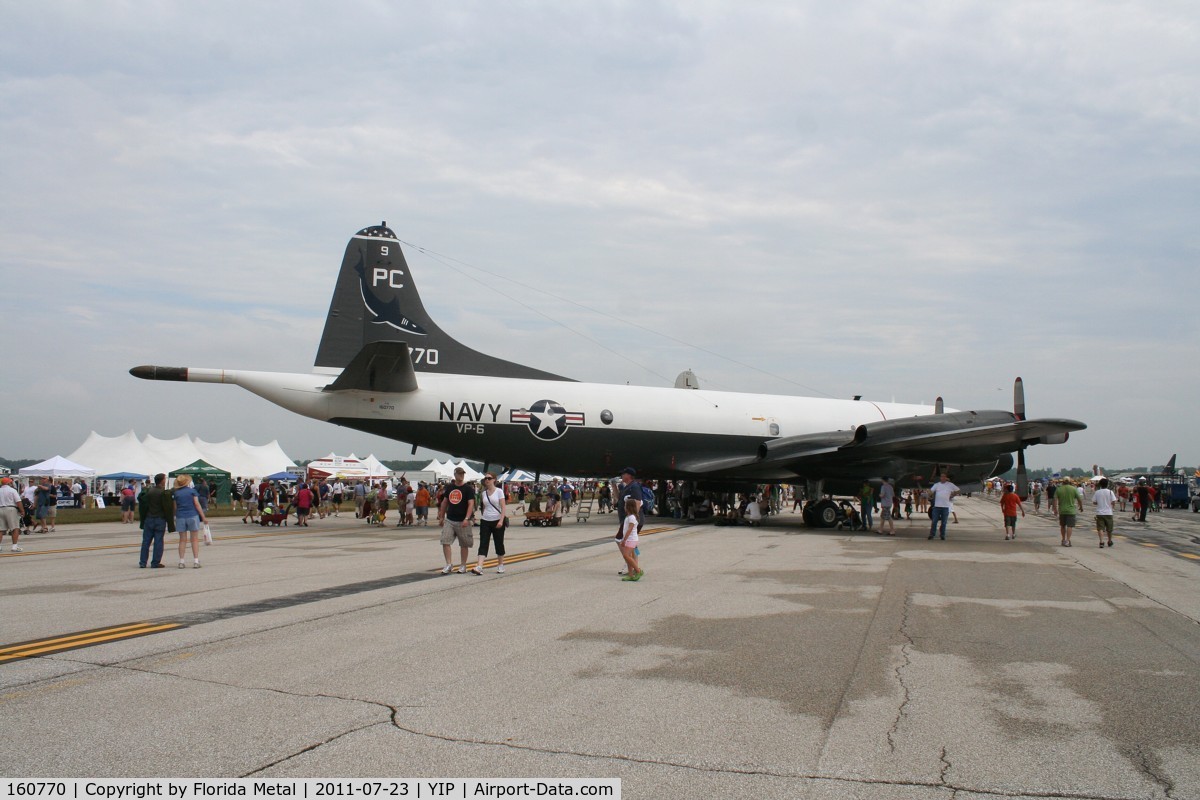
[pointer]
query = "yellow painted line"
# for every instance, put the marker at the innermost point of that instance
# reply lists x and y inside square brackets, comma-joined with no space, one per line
[87,642]
[1147,544]
[513,559]
[272,533]
[1192,556]
[44,646]
[517,558]
[73,636]
[68,550]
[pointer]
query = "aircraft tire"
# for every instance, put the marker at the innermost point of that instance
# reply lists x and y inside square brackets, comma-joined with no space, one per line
[825,513]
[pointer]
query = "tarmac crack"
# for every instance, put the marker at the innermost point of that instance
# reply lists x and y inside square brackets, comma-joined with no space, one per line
[730,770]
[308,748]
[905,650]
[1146,763]
[393,719]
[394,711]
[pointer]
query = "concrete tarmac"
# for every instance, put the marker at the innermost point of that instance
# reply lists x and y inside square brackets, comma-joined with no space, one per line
[772,662]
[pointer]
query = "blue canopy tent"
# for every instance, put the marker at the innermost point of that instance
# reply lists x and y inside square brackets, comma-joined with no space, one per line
[283,476]
[122,476]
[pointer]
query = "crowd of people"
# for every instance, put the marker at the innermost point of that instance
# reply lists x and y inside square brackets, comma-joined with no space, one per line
[32,508]
[457,503]
[184,508]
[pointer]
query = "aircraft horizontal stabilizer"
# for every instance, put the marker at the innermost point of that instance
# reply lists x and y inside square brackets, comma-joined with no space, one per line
[378,367]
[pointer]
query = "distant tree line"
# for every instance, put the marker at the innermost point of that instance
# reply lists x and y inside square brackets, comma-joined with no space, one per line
[1081,472]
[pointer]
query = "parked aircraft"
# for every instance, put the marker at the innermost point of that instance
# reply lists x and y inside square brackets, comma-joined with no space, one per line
[385,367]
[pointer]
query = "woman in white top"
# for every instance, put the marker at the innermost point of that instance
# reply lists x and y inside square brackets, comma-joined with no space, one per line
[492,524]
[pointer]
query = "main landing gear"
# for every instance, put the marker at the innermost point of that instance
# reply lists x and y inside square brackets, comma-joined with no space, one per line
[822,513]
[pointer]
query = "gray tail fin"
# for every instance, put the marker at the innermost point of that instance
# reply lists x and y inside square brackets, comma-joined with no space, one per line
[376,300]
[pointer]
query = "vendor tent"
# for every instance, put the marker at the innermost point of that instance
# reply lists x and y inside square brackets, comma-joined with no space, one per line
[516,476]
[212,475]
[349,467]
[446,471]
[58,467]
[472,474]
[122,476]
[283,476]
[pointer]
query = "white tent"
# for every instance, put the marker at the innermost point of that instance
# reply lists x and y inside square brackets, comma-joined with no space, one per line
[58,467]
[350,466]
[111,454]
[242,460]
[375,467]
[446,470]
[471,474]
[516,476]
[267,458]
[173,453]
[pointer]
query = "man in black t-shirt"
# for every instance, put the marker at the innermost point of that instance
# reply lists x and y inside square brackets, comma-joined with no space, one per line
[630,487]
[455,510]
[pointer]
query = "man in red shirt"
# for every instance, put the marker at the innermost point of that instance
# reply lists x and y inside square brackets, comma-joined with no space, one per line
[1010,502]
[304,505]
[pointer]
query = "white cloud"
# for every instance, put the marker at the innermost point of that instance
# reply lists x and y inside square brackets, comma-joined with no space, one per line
[833,194]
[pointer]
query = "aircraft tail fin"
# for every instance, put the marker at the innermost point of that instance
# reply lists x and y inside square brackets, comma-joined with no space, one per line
[376,300]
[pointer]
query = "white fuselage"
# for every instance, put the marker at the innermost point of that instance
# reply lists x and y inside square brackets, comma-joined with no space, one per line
[490,419]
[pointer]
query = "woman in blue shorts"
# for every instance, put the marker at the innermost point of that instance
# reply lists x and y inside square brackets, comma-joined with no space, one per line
[189,516]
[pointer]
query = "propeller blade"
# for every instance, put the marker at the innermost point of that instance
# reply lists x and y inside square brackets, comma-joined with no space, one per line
[1022,476]
[937,406]
[1019,399]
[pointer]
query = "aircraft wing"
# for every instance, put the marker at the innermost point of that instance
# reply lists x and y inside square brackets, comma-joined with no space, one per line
[1004,437]
[378,367]
[959,437]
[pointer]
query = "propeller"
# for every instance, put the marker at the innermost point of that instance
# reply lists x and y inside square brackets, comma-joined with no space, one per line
[1019,413]
[938,406]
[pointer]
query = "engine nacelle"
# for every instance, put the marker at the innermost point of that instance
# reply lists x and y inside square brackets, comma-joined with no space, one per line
[1057,438]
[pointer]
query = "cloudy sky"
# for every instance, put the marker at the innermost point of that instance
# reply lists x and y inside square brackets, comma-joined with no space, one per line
[898,200]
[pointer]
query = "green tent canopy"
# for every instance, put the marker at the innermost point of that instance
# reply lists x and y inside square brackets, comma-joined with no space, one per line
[212,475]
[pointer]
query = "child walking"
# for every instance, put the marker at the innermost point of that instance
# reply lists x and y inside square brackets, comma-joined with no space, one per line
[628,541]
